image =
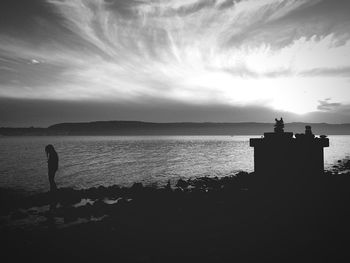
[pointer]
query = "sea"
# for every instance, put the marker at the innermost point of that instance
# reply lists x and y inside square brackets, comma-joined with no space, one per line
[92,161]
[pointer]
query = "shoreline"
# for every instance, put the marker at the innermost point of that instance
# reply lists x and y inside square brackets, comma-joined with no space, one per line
[241,217]
[15,202]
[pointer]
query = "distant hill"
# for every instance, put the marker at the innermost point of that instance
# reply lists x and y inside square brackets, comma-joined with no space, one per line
[182,128]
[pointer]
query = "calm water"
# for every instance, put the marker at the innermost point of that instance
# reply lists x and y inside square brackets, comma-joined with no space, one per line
[87,161]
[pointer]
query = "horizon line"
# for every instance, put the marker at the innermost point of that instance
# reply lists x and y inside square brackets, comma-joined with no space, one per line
[180,122]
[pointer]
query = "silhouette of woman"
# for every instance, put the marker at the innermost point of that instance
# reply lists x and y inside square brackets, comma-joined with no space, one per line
[52,164]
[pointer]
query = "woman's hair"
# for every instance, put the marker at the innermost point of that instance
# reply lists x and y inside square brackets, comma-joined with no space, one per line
[49,149]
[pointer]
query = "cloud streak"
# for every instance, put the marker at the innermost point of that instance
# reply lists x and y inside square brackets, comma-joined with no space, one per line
[326,105]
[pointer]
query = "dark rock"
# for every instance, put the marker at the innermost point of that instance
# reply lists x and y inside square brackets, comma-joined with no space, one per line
[17,215]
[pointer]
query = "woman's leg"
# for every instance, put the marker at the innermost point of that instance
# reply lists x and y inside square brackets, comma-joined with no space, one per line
[53,186]
[53,190]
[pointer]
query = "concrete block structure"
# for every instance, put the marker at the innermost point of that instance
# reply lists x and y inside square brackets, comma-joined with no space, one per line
[278,153]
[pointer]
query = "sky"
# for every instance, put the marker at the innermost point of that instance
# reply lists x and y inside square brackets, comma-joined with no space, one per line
[174,61]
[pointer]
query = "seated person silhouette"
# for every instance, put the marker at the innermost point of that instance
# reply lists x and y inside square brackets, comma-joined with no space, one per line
[279,126]
[308,132]
[52,164]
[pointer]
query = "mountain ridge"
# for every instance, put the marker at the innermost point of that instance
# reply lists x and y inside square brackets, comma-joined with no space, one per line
[172,128]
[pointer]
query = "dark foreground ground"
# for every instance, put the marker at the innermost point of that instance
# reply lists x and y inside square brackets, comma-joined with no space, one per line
[234,219]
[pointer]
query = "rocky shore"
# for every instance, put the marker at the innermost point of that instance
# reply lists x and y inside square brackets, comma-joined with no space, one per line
[238,218]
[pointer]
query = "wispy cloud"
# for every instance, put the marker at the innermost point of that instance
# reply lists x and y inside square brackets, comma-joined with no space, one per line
[327,105]
[328,72]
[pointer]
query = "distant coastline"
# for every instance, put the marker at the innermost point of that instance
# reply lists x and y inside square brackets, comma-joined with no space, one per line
[126,128]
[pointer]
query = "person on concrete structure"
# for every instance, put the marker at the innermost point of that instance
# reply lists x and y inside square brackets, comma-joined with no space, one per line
[308,131]
[279,126]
